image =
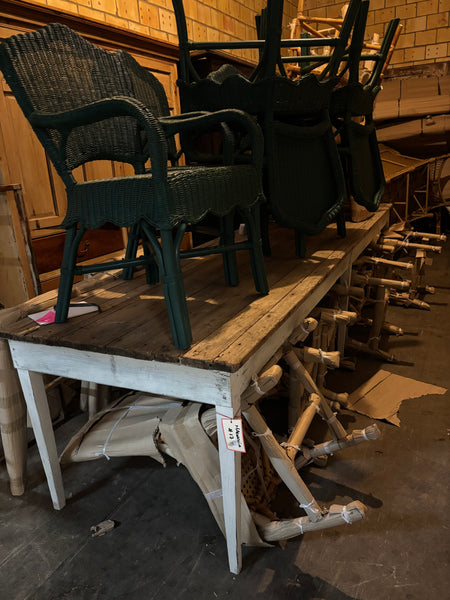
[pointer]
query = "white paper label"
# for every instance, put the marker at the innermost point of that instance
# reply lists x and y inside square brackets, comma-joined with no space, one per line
[232,431]
[47,317]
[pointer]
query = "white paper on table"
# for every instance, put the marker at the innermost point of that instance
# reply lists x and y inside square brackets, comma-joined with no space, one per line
[46,317]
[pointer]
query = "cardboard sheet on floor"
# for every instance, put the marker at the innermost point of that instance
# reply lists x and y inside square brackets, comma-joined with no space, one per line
[381,396]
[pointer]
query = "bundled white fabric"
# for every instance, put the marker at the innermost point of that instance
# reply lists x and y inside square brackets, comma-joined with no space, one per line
[128,428]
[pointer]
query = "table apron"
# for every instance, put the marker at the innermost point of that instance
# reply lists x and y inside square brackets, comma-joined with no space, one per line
[165,379]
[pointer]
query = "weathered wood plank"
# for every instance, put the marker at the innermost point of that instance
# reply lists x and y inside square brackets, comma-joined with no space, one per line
[228,324]
[314,277]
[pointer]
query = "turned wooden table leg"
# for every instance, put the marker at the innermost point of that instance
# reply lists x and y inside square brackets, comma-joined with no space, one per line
[13,422]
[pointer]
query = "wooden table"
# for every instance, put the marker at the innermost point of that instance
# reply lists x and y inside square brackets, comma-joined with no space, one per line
[235,333]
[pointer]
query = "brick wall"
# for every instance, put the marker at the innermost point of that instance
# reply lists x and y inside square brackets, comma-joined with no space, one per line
[425,36]
[206,19]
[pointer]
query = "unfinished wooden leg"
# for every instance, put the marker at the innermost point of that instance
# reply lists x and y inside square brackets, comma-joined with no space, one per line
[357,436]
[361,347]
[404,300]
[84,396]
[338,514]
[311,387]
[301,427]
[295,406]
[341,318]
[13,422]
[282,464]
[379,314]
[296,388]
[37,404]
[281,459]
[93,400]
[230,473]
[328,332]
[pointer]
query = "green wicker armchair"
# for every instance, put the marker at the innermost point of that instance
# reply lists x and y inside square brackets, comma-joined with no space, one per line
[351,113]
[85,103]
[304,180]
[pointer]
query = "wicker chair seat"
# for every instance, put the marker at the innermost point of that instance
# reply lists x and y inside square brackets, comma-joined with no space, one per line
[125,201]
[307,156]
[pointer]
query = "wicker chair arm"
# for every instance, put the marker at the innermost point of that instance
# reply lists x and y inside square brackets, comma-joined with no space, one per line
[197,121]
[107,108]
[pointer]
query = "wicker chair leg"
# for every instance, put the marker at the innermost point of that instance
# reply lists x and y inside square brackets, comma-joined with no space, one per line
[132,246]
[173,286]
[73,239]
[151,268]
[256,251]
[300,244]
[340,222]
[267,251]
[229,257]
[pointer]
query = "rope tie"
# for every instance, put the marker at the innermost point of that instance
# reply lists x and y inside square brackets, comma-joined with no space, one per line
[346,515]
[328,448]
[364,434]
[103,452]
[299,525]
[129,408]
[310,507]
[214,495]
[332,419]
[287,445]
[267,434]
[256,385]
[303,328]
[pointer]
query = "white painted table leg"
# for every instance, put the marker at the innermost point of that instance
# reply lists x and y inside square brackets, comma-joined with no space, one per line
[230,471]
[37,404]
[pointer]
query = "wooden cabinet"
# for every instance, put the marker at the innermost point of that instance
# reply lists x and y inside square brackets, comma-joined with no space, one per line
[25,162]
[22,158]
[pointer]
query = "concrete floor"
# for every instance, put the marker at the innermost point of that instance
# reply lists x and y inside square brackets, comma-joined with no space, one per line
[168,545]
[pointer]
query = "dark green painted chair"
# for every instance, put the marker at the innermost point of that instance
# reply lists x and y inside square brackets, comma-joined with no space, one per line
[351,112]
[304,181]
[85,103]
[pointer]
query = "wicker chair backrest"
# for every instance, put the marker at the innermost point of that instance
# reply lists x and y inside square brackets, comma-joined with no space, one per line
[55,70]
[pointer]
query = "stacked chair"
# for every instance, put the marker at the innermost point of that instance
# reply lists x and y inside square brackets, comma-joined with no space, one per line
[85,103]
[351,112]
[352,100]
[305,184]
